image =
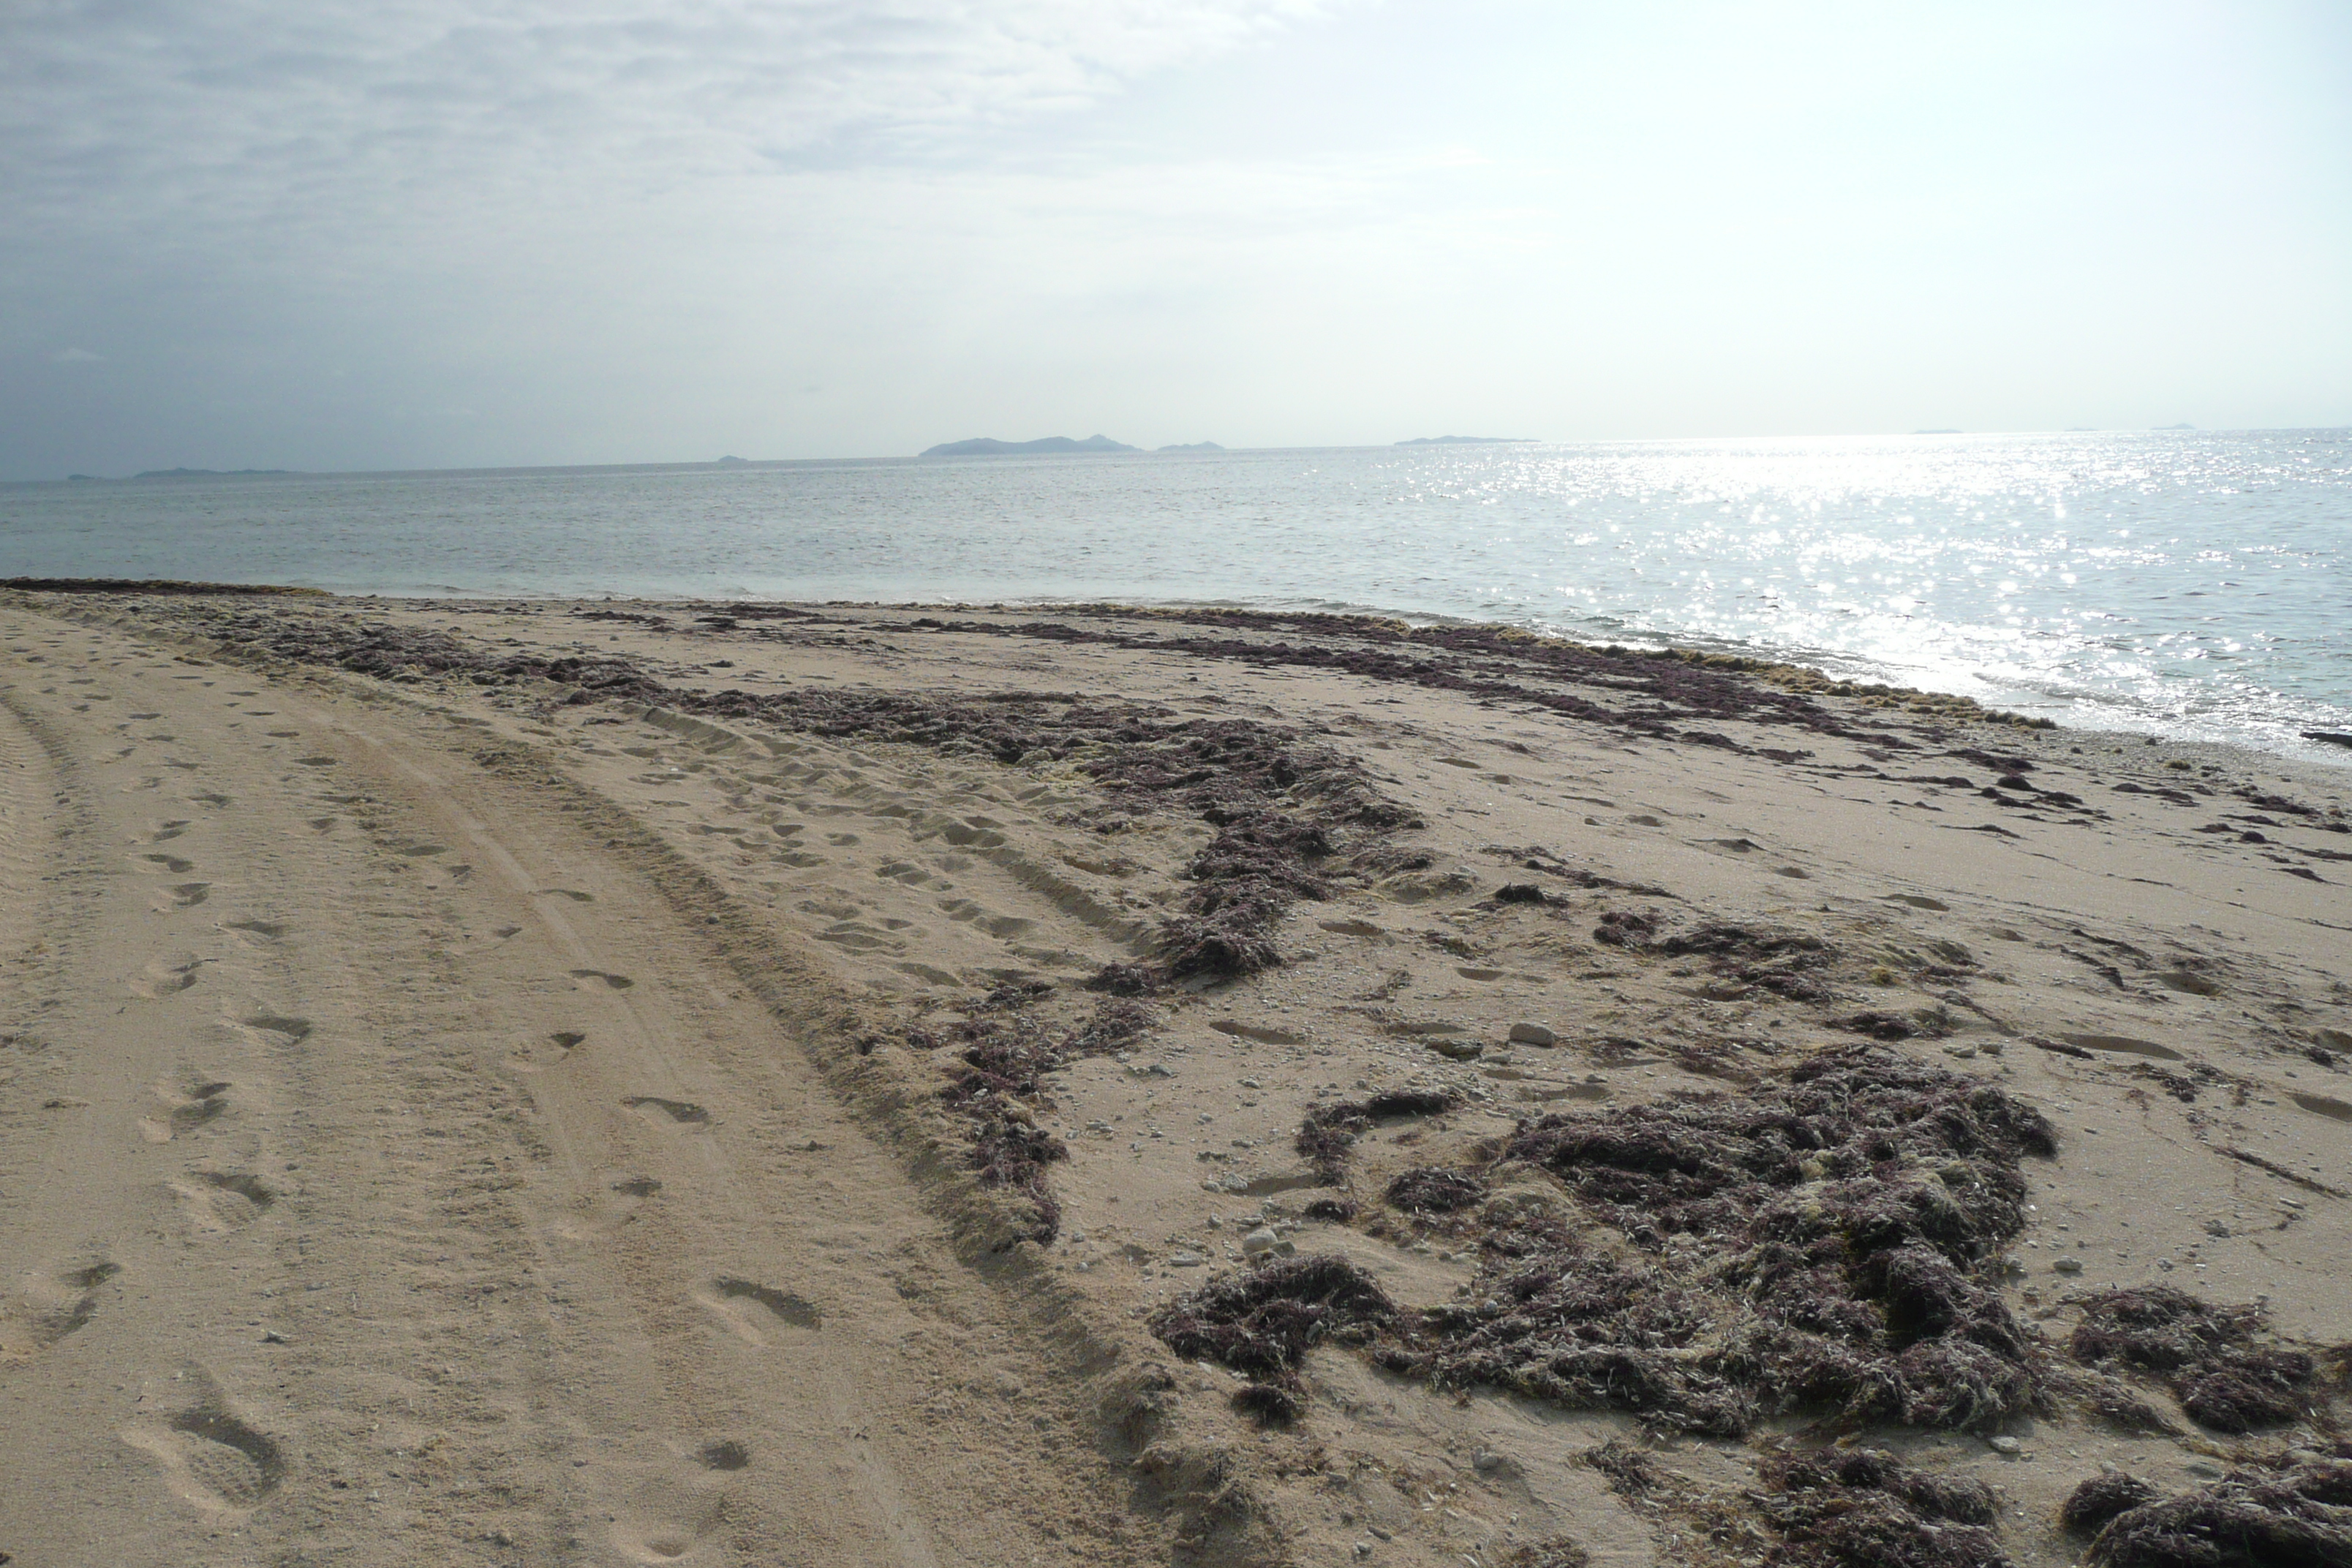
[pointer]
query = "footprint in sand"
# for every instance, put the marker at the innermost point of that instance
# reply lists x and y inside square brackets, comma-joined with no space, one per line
[2124,1045]
[753,1311]
[537,1055]
[573,893]
[1917,902]
[1264,1036]
[180,896]
[668,1518]
[317,762]
[729,1455]
[594,977]
[167,831]
[683,1111]
[2189,982]
[52,1306]
[268,931]
[167,977]
[171,863]
[222,1201]
[209,798]
[210,1457]
[204,1103]
[321,824]
[1352,927]
[277,1028]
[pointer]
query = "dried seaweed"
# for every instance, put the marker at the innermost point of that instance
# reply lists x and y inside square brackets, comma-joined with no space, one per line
[1644,692]
[1260,1322]
[1631,1473]
[1963,1500]
[2221,1363]
[1864,1509]
[1823,1242]
[1007,1049]
[2103,1497]
[1270,1404]
[2115,1402]
[1714,939]
[1560,1551]
[1776,961]
[1891,1027]
[1825,1509]
[1430,1189]
[1329,1131]
[1625,928]
[2297,1516]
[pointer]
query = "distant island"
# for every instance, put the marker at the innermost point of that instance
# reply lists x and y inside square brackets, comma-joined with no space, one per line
[1469,441]
[1193,446]
[206,473]
[989,446]
[2184,424]
[730,461]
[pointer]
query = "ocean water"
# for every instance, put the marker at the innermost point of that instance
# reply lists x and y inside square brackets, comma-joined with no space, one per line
[2195,584]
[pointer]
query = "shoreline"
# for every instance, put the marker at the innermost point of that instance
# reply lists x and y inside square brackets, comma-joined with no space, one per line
[964,1027]
[1793,675]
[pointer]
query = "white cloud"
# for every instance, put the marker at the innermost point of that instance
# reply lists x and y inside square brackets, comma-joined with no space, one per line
[202,152]
[150,99]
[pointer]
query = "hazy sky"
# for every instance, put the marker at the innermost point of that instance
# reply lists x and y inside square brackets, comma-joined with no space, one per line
[335,234]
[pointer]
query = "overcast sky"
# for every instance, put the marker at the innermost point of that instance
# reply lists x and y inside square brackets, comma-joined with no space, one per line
[340,235]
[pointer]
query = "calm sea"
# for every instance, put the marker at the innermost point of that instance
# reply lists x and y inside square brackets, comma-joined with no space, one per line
[2196,584]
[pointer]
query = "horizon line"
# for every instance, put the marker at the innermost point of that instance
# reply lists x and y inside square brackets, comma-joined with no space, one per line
[728,461]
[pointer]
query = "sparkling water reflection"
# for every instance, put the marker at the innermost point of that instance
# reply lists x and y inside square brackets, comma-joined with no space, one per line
[2190,583]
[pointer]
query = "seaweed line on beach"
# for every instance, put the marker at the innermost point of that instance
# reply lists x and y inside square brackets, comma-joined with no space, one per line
[1289,817]
[1660,688]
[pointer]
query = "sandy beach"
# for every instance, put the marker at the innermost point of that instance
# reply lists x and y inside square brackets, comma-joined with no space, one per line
[530,1083]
